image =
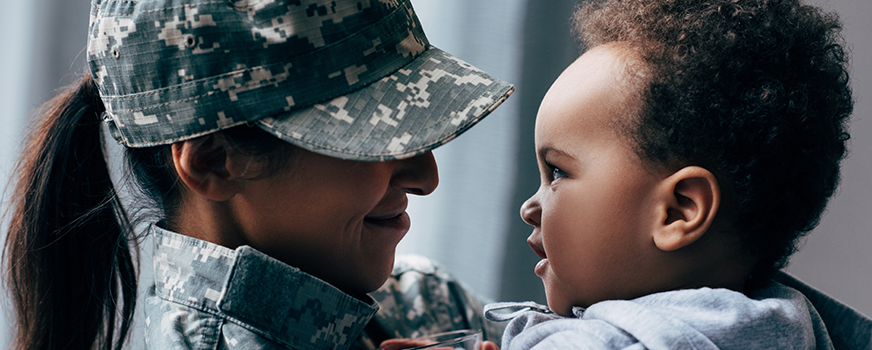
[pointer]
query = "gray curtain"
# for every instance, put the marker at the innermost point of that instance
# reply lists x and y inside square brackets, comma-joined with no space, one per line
[40,48]
[471,223]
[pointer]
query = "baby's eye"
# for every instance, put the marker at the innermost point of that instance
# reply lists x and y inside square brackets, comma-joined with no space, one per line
[556,173]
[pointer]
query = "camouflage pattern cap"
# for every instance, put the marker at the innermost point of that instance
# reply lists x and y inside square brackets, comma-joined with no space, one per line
[350,79]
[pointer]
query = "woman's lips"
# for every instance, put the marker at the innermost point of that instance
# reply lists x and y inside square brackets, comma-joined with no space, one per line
[397,222]
[384,216]
[389,220]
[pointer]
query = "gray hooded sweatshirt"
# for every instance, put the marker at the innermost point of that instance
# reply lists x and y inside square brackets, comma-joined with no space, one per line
[773,317]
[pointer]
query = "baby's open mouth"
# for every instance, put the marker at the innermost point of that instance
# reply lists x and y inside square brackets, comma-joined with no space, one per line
[538,251]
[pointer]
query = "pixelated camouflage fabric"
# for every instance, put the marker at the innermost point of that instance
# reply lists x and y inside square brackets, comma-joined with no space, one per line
[421,297]
[351,79]
[208,296]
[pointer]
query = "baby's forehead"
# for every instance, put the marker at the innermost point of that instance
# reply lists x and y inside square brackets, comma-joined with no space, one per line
[604,80]
[592,97]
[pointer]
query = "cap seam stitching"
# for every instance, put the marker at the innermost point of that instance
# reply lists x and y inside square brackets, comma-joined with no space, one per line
[266,116]
[180,7]
[217,77]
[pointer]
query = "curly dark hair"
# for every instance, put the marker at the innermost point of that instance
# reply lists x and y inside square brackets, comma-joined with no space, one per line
[756,91]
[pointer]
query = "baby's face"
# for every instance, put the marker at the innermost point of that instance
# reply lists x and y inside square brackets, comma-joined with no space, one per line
[592,215]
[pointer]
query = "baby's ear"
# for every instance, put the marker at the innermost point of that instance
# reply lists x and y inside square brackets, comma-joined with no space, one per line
[690,198]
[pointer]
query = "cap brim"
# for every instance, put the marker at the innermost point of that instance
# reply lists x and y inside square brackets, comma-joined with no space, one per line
[423,105]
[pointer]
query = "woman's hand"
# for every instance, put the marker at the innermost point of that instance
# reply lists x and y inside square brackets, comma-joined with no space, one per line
[489,345]
[404,343]
[401,343]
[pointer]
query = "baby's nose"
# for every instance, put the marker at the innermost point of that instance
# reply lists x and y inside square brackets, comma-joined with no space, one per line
[531,211]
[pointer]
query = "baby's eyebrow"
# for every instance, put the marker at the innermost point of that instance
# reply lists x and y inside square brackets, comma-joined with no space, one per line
[544,152]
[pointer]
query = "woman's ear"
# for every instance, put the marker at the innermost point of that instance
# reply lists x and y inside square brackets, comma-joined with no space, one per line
[690,200]
[202,165]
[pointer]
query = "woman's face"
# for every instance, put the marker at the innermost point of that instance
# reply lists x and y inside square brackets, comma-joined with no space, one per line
[338,220]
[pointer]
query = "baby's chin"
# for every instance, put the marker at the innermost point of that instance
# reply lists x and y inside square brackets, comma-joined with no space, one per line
[563,304]
[557,303]
[561,309]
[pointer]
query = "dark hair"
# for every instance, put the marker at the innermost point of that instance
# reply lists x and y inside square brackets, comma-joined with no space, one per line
[70,266]
[754,90]
[70,250]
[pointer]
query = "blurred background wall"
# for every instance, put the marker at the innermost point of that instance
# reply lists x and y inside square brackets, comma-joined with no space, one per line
[471,223]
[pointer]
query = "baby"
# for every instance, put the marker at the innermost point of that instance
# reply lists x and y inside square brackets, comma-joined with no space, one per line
[682,156]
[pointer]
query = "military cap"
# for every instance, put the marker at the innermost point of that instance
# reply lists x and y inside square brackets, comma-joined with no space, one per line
[350,79]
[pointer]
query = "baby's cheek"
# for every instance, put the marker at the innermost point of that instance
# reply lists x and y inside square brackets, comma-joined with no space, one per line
[566,234]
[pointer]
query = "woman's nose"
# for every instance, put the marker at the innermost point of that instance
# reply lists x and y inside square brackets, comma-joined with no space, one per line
[531,211]
[417,175]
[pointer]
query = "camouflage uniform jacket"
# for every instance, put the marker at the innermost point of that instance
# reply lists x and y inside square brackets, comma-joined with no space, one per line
[207,296]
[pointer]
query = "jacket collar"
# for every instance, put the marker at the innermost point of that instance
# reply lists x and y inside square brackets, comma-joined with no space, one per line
[248,287]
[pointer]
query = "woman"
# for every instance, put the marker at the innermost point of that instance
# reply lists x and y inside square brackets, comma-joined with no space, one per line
[275,140]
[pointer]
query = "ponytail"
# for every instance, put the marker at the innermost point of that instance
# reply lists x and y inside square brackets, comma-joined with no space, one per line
[71,271]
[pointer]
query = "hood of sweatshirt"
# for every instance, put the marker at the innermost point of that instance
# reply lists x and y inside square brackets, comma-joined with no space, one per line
[773,317]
